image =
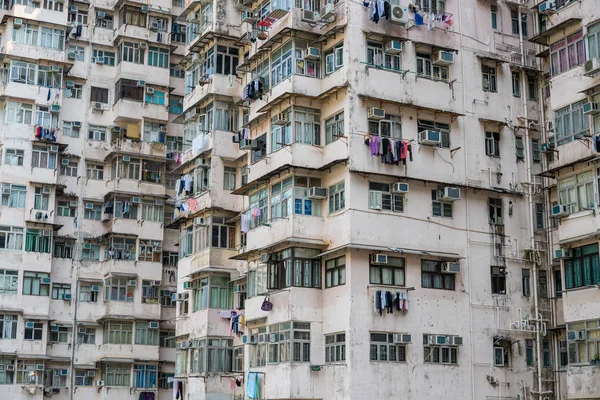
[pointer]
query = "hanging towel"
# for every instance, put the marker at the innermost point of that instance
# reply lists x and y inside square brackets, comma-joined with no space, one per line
[192,203]
[252,385]
[419,19]
[244,218]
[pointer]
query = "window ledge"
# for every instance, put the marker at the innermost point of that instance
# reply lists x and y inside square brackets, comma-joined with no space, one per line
[581,288]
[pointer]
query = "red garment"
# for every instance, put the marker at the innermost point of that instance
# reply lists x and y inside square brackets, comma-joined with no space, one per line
[192,204]
[403,150]
[38,132]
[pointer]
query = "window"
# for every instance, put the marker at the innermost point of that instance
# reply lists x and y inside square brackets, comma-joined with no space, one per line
[97,133]
[41,199]
[501,352]
[383,348]
[59,290]
[99,95]
[495,211]
[131,52]
[492,144]
[9,281]
[382,198]
[257,281]
[440,208]
[516,83]
[166,339]
[426,69]
[107,22]
[532,88]
[334,127]
[577,191]
[178,33]
[116,374]
[54,38]
[69,170]
[43,157]
[337,199]
[514,18]
[498,280]
[25,368]
[569,122]
[90,252]
[439,354]
[526,282]
[145,335]
[229,178]
[335,347]
[583,340]
[529,357]
[539,216]
[76,93]
[377,58]
[82,378]
[59,334]
[558,286]
[95,171]
[212,355]
[159,24]
[158,57]
[390,127]
[593,38]
[536,153]
[80,17]
[281,63]
[109,59]
[35,332]
[14,157]
[38,241]
[53,5]
[93,211]
[11,238]
[213,292]
[86,335]
[494,14]
[335,272]
[298,337]
[133,16]
[432,276]
[294,267]
[567,53]
[238,359]
[583,269]
[48,77]
[145,376]
[158,97]
[87,293]
[222,233]
[489,79]
[13,195]
[165,380]
[520,148]
[307,125]
[563,353]
[438,126]
[393,273]
[19,113]
[119,289]
[33,285]
[63,249]
[27,34]
[546,353]
[8,326]
[334,58]
[7,376]
[118,332]
[227,60]
[149,292]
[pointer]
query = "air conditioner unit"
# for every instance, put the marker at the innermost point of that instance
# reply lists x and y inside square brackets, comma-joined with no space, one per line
[327,11]
[10,367]
[64,372]
[67,297]
[393,47]
[91,373]
[164,129]
[74,9]
[546,6]
[430,137]
[576,335]
[70,84]
[154,26]
[399,15]
[47,190]
[150,90]
[249,339]
[132,282]
[89,206]
[55,108]
[95,288]
[64,161]
[39,367]
[29,324]
[54,328]
[376,113]
[443,57]
[6,190]
[116,129]
[46,281]
[87,246]
[54,149]
[450,268]
[265,258]
[400,187]
[450,194]
[155,283]
[187,285]
[561,210]
[249,17]
[100,15]
[379,259]
[317,193]
[144,9]
[98,106]
[248,144]
[262,337]
[313,53]
[454,340]
[46,232]
[592,66]
[239,288]
[308,15]
[100,60]
[140,83]
[402,338]
[73,203]
[563,253]
[135,199]
[17,23]
[547,147]
[153,325]
[99,383]
[71,55]
[280,119]
[591,108]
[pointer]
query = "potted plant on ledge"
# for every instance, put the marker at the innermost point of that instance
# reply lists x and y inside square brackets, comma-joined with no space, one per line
[595,360]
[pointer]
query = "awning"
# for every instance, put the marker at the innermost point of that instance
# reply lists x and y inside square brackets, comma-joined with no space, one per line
[88,323]
[117,317]
[36,317]
[33,357]
[85,366]
[210,269]
[256,321]
[116,360]
[590,235]
[396,250]
[43,225]
[453,114]
[550,173]
[484,56]
[91,280]
[542,38]
[487,122]
[289,242]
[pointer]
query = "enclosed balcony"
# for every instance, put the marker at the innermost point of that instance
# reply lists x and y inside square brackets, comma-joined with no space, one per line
[561,17]
[137,100]
[130,174]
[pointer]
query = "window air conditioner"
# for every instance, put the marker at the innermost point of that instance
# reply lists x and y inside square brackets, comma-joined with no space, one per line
[248,144]
[239,288]
[393,47]
[46,281]
[100,60]
[376,113]
[561,210]
[99,383]
[89,206]
[400,187]
[327,11]
[402,338]
[64,161]
[576,335]
[249,339]
[443,57]
[39,367]
[153,325]
[95,288]
[29,324]
[563,253]
[10,367]
[430,137]
[379,259]
[74,9]
[591,108]
[265,258]
[71,55]
[280,119]
[140,83]
[100,15]
[55,108]
[64,372]
[450,194]
[454,340]
[17,23]
[310,16]
[47,190]
[592,66]
[144,8]
[132,282]
[53,149]
[150,90]
[317,193]
[135,199]
[450,268]
[313,53]
[91,373]
[70,84]
[67,297]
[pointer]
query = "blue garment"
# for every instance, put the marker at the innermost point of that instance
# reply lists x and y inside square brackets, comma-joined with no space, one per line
[252,386]
[419,19]
[48,98]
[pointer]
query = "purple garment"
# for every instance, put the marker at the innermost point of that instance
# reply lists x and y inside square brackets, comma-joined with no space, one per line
[374,144]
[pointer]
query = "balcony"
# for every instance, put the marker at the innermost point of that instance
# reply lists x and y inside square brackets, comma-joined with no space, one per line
[132,309]
[208,258]
[307,305]
[156,187]
[580,304]
[137,147]
[131,32]
[582,381]
[202,323]
[301,228]
[127,110]
[578,226]
[127,352]
[123,226]
[35,52]
[569,154]
[21,90]
[216,84]
[39,14]
[558,21]
[142,72]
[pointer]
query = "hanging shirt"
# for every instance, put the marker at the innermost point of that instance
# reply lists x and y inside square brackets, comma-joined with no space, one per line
[374,144]
[244,218]
[192,204]
[187,182]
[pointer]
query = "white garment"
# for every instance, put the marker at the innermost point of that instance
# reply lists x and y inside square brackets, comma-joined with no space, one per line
[187,183]
[197,144]
[245,226]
